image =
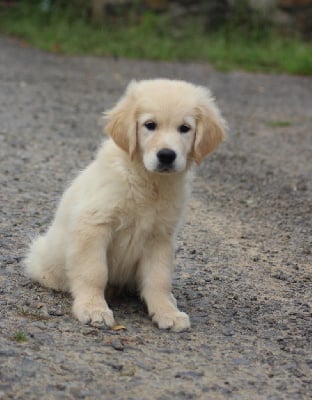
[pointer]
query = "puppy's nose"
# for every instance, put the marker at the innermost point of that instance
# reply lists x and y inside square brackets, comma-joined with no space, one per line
[166,156]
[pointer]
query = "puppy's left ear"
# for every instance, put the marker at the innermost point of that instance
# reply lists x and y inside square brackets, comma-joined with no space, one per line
[121,125]
[211,127]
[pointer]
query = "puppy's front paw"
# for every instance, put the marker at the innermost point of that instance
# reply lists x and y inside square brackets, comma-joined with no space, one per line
[94,312]
[176,321]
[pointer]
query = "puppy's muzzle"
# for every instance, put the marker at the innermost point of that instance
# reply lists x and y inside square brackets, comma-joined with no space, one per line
[166,159]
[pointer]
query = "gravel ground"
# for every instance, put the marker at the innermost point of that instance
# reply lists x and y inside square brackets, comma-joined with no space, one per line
[243,256]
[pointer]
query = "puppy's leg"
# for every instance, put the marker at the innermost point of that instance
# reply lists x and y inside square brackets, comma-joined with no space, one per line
[87,273]
[155,282]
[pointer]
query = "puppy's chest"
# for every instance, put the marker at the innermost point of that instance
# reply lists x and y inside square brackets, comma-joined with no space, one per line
[146,218]
[141,219]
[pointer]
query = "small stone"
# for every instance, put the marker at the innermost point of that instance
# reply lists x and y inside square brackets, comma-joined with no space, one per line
[117,345]
[117,367]
[127,371]
[228,332]
[56,313]
[146,367]
[189,374]
[38,324]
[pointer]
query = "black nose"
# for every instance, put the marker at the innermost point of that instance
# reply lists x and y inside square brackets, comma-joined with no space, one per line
[166,156]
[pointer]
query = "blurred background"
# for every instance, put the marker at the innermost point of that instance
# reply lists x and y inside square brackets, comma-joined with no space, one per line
[255,35]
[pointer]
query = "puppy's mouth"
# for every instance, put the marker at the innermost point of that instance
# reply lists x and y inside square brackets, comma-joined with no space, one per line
[165,169]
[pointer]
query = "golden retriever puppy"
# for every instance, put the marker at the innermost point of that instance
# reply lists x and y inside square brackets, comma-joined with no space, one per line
[116,223]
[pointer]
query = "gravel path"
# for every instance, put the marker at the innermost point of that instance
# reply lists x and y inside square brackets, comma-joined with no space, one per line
[243,256]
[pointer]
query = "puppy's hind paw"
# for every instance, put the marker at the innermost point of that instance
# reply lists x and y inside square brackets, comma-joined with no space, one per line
[176,321]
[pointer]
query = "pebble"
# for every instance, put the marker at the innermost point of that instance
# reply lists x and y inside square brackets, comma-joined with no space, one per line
[55,312]
[117,345]
[38,324]
[228,332]
[146,367]
[189,374]
[127,371]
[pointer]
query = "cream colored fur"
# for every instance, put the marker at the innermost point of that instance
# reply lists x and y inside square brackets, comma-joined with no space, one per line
[117,222]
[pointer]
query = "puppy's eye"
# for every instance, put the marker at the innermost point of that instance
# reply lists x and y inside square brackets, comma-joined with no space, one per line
[151,126]
[183,128]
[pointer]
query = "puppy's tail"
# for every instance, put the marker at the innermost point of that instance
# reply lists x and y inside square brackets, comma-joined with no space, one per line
[42,266]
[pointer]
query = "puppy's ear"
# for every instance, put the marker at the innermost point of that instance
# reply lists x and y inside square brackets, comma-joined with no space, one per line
[121,125]
[211,127]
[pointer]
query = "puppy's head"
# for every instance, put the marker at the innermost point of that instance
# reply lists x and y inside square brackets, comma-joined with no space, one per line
[167,123]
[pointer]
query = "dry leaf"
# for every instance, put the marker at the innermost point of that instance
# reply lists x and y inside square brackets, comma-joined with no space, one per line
[119,328]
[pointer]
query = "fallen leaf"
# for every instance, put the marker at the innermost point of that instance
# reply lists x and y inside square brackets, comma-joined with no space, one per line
[119,328]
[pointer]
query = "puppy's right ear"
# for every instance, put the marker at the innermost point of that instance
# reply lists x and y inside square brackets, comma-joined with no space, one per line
[121,125]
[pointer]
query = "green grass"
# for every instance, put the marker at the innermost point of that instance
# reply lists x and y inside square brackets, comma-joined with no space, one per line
[20,337]
[157,38]
[279,123]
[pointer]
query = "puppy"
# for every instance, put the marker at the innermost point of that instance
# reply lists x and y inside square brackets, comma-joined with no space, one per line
[116,223]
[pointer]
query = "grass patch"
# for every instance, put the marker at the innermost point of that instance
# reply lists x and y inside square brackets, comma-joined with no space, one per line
[277,124]
[156,37]
[20,337]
